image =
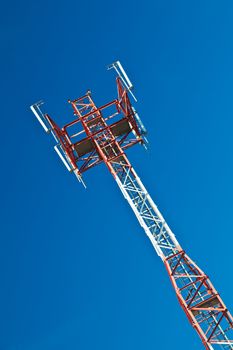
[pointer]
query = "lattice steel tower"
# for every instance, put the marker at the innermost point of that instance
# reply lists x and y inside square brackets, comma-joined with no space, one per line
[103,134]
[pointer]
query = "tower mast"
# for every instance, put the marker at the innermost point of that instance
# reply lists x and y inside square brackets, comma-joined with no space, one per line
[106,141]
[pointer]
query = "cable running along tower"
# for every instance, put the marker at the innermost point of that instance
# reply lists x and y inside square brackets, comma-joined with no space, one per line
[103,134]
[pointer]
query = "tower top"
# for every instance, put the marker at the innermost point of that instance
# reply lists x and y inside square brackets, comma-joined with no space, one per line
[117,119]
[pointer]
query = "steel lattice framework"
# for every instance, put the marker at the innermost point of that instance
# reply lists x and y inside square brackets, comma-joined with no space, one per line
[104,142]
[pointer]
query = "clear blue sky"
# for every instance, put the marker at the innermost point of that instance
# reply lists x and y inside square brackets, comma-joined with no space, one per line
[77,272]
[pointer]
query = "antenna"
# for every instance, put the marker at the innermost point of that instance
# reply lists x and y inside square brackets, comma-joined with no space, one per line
[124,77]
[62,157]
[62,148]
[39,115]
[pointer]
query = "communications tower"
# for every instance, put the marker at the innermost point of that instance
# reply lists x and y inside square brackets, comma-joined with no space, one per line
[102,135]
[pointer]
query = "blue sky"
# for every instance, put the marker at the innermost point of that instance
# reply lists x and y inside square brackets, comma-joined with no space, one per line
[77,272]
